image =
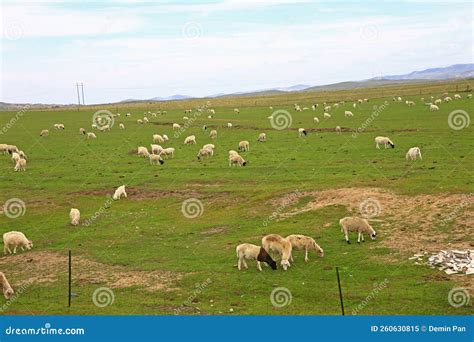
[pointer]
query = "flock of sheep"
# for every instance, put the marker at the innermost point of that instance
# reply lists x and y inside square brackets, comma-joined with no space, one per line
[156,155]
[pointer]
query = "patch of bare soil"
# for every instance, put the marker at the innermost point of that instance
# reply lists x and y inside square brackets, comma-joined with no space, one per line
[407,223]
[214,230]
[140,194]
[47,267]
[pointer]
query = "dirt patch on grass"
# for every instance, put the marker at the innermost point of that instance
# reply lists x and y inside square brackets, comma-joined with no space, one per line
[407,223]
[140,194]
[214,230]
[49,267]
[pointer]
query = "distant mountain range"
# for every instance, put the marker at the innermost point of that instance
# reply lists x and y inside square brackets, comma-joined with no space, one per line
[433,74]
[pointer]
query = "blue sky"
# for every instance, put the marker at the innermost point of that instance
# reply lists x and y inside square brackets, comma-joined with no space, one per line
[142,49]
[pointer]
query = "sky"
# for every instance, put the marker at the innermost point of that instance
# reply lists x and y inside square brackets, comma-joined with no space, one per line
[142,49]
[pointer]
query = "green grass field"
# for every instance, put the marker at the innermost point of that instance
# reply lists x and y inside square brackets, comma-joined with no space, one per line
[156,260]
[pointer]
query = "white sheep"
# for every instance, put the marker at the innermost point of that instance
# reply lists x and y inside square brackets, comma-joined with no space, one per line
[236,159]
[356,224]
[469,96]
[119,193]
[156,158]
[360,101]
[301,132]
[158,139]
[165,137]
[410,103]
[244,146]
[438,101]
[44,133]
[176,126]
[15,157]
[140,121]
[7,289]
[326,115]
[457,96]
[233,153]
[190,140]
[433,107]
[213,134]
[413,153]
[327,108]
[316,119]
[185,118]
[145,120]
[156,149]
[74,216]
[280,245]
[205,152]
[143,152]
[14,240]
[58,126]
[166,152]
[236,110]
[22,155]
[300,242]
[209,146]
[262,137]
[253,252]
[338,130]
[348,114]
[121,126]
[229,124]
[447,99]
[383,141]
[91,135]
[20,165]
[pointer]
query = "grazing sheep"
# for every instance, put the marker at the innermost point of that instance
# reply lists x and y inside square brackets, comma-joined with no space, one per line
[74,216]
[128,114]
[354,105]
[143,152]
[348,114]
[399,99]
[315,119]
[253,252]
[438,101]
[7,289]
[121,126]
[327,108]
[447,99]
[190,140]
[336,105]
[262,137]
[145,120]
[410,103]
[82,131]
[20,165]
[140,121]
[457,96]
[158,139]
[360,101]
[212,111]
[14,240]
[233,153]
[338,130]
[236,159]
[15,157]
[433,107]
[280,245]
[44,133]
[383,141]
[22,155]
[156,158]
[300,242]
[356,224]
[12,148]
[165,137]
[229,125]
[91,135]
[301,132]
[413,153]
[326,115]
[156,149]
[244,146]
[119,193]
[469,96]
[209,116]
[166,152]
[58,126]
[213,134]
[185,118]
[205,152]
[236,110]
[176,126]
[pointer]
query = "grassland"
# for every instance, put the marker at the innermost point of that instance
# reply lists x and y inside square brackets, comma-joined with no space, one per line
[145,240]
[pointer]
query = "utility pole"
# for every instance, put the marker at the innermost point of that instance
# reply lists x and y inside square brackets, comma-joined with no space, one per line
[82,89]
[78,97]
